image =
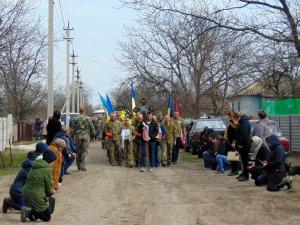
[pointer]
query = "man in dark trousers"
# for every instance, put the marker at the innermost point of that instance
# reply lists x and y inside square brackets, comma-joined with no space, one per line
[243,143]
[53,127]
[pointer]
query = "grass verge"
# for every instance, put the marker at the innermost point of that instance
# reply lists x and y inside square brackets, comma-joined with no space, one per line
[188,157]
[17,158]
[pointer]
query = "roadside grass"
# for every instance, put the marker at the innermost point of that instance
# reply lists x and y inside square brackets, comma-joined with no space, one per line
[188,157]
[17,159]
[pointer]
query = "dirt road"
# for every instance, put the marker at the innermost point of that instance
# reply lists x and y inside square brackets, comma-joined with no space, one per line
[183,194]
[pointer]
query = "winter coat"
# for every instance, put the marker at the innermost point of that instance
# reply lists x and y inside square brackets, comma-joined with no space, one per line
[263,129]
[243,134]
[153,130]
[38,186]
[15,190]
[262,155]
[57,165]
[276,160]
[70,143]
[53,127]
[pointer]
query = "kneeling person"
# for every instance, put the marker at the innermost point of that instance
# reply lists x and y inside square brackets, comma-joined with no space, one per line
[38,190]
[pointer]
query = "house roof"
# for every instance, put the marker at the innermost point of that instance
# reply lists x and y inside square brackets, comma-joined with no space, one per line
[266,88]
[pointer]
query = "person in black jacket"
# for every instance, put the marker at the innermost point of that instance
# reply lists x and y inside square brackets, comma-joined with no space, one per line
[274,168]
[53,127]
[243,143]
[259,153]
[153,130]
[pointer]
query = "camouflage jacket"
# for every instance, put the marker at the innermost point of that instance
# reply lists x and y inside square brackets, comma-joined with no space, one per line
[178,127]
[115,128]
[169,132]
[82,128]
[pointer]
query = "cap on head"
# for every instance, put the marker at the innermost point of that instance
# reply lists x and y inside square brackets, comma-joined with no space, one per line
[41,147]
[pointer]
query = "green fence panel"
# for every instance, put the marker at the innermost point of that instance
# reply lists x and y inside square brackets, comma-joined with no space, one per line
[281,107]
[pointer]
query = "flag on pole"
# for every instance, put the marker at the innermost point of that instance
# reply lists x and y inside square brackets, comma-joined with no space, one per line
[132,97]
[110,107]
[170,107]
[104,106]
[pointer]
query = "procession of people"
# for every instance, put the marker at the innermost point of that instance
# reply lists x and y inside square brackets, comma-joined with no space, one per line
[146,140]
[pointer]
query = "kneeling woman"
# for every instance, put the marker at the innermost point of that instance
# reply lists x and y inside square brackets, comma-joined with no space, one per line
[38,190]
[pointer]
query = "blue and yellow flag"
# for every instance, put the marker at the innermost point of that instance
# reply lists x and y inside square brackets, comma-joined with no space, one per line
[110,107]
[104,106]
[170,107]
[132,97]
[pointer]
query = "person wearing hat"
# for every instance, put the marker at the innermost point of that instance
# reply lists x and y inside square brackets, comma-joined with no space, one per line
[15,200]
[128,134]
[38,190]
[57,147]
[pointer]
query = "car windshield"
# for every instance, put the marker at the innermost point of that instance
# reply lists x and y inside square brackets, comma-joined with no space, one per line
[214,124]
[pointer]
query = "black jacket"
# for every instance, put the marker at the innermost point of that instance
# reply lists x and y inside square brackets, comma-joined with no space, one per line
[262,155]
[276,159]
[243,134]
[53,127]
[153,130]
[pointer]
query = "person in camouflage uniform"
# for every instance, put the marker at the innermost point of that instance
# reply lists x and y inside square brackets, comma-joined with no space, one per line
[138,125]
[128,134]
[178,134]
[167,141]
[82,129]
[112,131]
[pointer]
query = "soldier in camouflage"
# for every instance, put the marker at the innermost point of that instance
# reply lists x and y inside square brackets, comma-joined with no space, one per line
[167,141]
[138,125]
[82,129]
[112,131]
[178,134]
[128,134]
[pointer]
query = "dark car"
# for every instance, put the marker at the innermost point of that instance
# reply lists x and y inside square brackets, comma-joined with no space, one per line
[216,124]
[274,130]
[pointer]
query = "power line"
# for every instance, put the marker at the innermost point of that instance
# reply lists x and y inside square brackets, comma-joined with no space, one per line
[61,12]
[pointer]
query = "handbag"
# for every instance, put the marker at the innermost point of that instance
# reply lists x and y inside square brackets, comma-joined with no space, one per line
[232,156]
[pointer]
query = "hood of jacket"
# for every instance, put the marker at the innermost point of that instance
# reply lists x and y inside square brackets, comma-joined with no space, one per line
[27,164]
[273,141]
[38,164]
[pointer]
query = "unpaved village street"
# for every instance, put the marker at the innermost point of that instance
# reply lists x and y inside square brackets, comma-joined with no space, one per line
[184,194]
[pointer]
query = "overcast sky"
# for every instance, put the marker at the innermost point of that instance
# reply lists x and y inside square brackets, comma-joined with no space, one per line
[98,25]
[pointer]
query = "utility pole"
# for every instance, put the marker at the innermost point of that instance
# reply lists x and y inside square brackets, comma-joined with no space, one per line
[78,89]
[68,39]
[81,93]
[50,58]
[73,56]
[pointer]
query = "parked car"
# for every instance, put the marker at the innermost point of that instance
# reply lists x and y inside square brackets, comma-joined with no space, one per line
[274,130]
[216,124]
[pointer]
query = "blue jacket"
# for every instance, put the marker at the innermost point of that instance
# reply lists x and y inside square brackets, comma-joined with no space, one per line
[276,160]
[70,143]
[16,188]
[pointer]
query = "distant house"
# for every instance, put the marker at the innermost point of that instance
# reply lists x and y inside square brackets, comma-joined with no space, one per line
[249,100]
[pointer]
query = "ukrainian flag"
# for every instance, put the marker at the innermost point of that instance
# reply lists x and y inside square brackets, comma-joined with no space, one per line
[104,106]
[132,97]
[170,107]
[110,107]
